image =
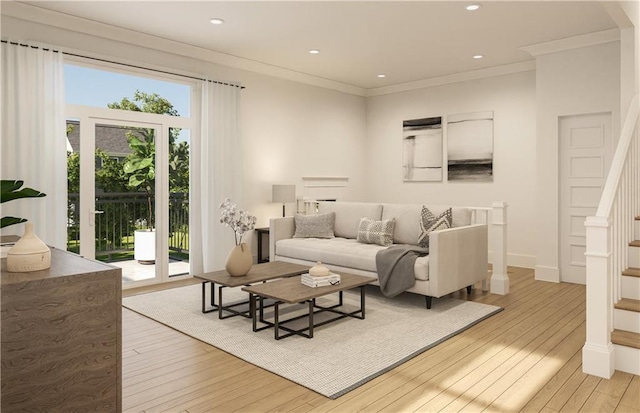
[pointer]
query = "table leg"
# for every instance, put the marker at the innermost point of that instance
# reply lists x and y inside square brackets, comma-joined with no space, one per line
[312,304]
[276,321]
[220,305]
[362,295]
[204,297]
[340,298]
[252,308]
[204,294]
[261,309]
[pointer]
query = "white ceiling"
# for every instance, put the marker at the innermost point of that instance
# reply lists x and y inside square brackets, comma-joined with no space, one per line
[407,41]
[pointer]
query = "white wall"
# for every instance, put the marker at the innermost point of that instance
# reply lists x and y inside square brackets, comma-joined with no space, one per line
[577,81]
[290,129]
[512,99]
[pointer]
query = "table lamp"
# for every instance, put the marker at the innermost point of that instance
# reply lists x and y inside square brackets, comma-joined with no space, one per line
[283,194]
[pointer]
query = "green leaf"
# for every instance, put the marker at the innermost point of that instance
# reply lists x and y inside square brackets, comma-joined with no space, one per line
[6,221]
[136,180]
[134,141]
[9,191]
[133,165]
[10,186]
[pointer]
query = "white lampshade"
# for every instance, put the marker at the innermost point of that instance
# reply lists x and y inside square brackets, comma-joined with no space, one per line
[283,193]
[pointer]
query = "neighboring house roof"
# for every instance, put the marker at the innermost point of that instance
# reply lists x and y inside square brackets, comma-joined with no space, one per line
[110,138]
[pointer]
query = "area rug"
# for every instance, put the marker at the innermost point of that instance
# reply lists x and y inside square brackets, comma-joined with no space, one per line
[342,355]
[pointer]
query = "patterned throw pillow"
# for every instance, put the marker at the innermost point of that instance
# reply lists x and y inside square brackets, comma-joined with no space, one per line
[429,222]
[314,226]
[376,232]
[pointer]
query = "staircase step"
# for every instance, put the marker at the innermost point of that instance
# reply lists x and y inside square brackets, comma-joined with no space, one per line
[626,320]
[625,338]
[634,256]
[635,243]
[630,287]
[631,272]
[628,304]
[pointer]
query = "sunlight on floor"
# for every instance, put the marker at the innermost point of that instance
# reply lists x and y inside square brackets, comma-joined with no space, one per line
[134,271]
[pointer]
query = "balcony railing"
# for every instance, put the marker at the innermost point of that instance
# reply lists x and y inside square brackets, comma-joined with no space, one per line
[123,214]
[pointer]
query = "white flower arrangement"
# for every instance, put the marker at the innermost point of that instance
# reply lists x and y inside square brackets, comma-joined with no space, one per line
[237,219]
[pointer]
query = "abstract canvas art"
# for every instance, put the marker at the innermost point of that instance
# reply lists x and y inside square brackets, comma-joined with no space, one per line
[470,147]
[422,149]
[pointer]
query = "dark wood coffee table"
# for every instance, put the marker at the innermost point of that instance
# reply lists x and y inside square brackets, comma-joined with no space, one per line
[292,291]
[258,274]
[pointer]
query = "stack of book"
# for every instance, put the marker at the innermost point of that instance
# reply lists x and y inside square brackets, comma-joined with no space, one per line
[331,279]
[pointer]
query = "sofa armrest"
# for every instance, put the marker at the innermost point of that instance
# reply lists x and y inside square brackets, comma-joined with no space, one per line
[458,257]
[279,228]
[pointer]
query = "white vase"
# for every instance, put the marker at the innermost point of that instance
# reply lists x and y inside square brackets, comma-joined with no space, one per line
[29,253]
[144,246]
[239,261]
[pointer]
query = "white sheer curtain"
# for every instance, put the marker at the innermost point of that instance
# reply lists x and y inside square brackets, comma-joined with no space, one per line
[34,139]
[217,174]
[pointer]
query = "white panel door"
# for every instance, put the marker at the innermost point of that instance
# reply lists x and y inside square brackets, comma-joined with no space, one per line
[585,155]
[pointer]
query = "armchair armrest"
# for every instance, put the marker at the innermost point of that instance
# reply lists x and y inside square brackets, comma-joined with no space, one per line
[279,228]
[458,257]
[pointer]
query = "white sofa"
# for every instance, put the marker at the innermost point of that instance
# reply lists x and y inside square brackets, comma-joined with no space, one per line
[457,256]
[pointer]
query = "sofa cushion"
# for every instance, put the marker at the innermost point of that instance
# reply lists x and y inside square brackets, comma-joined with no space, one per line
[348,215]
[408,216]
[407,222]
[314,226]
[376,232]
[430,222]
[460,217]
[343,252]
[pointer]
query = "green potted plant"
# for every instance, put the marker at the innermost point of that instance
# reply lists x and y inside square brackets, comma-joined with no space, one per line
[10,190]
[140,166]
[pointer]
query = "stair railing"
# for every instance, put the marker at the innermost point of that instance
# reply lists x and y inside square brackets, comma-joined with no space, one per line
[608,235]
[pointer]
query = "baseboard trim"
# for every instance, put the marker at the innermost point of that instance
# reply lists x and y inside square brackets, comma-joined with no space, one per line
[550,274]
[627,359]
[521,260]
[517,260]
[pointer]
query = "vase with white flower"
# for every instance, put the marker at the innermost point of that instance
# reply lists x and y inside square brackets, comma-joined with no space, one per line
[240,260]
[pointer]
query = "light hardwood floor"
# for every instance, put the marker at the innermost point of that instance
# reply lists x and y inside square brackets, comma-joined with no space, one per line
[526,358]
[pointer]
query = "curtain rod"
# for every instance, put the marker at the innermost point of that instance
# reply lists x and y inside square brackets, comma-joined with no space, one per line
[123,64]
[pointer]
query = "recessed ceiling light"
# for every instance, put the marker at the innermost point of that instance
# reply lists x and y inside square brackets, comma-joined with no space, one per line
[314,51]
[478,56]
[382,75]
[473,7]
[216,21]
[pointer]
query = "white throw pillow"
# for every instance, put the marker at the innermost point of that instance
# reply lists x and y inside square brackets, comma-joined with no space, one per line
[376,232]
[429,223]
[314,226]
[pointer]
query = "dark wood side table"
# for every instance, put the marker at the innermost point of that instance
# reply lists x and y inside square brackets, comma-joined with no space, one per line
[261,233]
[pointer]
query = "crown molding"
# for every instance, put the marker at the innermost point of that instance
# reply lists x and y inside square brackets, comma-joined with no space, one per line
[51,18]
[585,40]
[55,19]
[525,66]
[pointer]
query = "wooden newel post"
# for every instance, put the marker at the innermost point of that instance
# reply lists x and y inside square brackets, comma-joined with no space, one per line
[499,278]
[597,353]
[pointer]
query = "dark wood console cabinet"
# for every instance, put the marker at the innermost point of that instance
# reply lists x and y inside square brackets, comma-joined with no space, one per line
[62,337]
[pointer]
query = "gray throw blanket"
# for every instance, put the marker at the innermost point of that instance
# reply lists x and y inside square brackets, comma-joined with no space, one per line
[395,267]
